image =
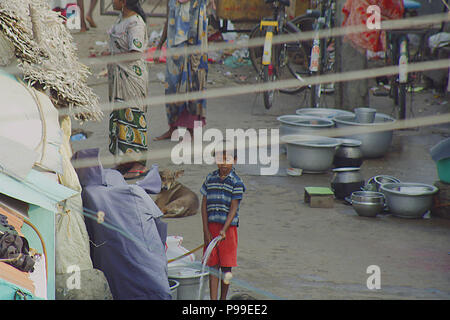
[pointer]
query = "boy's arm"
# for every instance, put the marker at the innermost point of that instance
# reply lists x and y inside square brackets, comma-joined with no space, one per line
[206,233]
[231,214]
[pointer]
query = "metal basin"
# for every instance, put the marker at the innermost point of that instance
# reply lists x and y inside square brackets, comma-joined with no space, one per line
[310,153]
[327,113]
[295,124]
[373,144]
[408,200]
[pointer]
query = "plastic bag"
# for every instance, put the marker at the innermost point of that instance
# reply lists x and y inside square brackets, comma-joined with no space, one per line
[174,250]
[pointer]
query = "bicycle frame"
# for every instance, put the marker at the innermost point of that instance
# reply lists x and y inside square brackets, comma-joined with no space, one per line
[318,49]
[273,25]
[267,53]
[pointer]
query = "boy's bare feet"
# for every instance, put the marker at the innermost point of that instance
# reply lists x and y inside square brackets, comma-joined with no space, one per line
[91,21]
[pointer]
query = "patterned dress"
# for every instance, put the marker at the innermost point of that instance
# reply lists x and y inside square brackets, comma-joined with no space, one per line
[355,12]
[187,26]
[128,81]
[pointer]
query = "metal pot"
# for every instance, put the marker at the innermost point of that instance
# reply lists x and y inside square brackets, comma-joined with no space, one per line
[345,181]
[310,153]
[408,200]
[373,144]
[367,203]
[348,154]
[365,115]
[295,124]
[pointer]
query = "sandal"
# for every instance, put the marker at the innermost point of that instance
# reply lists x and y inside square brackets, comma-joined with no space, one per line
[141,174]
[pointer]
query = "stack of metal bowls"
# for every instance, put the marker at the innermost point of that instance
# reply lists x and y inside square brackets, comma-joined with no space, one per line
[368,203]
[408,200]
[374,183]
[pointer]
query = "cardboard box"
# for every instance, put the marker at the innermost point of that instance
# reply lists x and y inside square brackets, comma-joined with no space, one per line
[319,197]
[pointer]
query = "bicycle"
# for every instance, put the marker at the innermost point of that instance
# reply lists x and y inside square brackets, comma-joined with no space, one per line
[323,49]
[399,53]
[303,59]
[278,61]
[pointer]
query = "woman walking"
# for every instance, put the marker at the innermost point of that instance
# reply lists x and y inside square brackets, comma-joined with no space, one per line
[88,16]
[128,81]
[186,27]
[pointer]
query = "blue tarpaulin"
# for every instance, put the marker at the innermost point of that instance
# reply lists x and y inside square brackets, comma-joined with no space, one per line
[130,247]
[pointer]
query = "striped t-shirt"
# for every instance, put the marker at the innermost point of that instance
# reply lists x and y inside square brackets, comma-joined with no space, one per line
[219,194]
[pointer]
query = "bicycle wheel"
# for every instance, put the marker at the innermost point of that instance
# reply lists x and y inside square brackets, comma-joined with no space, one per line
[293,57]
[268,76]
[256,53]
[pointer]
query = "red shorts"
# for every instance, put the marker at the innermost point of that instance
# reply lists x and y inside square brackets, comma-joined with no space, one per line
[224,253]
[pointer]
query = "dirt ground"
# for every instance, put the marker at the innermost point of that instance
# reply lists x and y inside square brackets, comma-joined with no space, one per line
[286,248]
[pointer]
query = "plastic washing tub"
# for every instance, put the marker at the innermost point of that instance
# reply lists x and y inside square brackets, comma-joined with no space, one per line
[174,284]
[189,280]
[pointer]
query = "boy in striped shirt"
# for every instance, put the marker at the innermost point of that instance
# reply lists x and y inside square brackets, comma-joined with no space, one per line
[222,192]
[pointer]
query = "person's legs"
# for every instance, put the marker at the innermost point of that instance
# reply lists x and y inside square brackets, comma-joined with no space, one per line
[175,70]
[167,135]
[213,284]
[223,286]
[90,12]
[80,4]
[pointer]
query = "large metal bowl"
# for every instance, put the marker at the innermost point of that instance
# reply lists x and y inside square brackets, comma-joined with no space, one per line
[408,200]
[368,197]
[373,144]
[295,124]
[310,153]
[327,113]
[367,203]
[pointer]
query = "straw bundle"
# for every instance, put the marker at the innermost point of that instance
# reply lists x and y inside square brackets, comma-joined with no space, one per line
[47,55]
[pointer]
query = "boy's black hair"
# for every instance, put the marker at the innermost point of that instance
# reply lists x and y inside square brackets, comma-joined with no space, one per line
[228,151]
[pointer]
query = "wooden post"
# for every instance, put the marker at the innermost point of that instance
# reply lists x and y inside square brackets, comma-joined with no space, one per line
[351,94]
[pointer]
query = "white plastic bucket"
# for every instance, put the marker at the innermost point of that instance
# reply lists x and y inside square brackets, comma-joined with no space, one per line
[189,280]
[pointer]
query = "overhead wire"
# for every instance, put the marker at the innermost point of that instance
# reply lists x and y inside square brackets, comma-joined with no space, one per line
[240,90]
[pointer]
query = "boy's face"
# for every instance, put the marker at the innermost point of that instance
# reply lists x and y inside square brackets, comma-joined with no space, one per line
[224,162]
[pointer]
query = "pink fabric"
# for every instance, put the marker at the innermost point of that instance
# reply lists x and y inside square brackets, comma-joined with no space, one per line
[186,120]
[355,12]
[151,52]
